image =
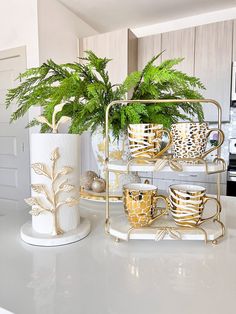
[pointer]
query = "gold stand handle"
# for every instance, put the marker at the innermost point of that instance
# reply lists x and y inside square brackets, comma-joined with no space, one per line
[222,137]
[165,199]
[167,132]
[218,209]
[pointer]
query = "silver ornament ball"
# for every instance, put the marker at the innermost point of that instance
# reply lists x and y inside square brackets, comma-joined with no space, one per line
[98,185]
[87,178]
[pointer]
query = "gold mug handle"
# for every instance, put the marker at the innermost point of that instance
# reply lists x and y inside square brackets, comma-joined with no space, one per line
[165,199]
[168,133]
[222,137]
[218,209]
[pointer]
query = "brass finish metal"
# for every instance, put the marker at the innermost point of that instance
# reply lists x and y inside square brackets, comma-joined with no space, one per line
[175,164]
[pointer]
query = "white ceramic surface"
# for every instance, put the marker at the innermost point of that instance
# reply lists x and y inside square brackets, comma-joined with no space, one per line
[99,276]
[183,188]
[140,187]
[41,147]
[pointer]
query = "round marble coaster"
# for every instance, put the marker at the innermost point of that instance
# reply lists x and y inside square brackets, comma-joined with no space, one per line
[31,237]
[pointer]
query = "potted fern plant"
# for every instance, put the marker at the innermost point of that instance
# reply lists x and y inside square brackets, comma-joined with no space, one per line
[153,82]
[55,157]
[86,90]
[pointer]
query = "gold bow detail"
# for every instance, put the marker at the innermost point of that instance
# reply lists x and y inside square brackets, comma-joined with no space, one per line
[172,232]
[174,164]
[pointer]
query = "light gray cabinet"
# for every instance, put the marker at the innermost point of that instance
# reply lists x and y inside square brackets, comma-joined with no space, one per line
[234,40]
[177,44]
[148,47]
[213,59]
[180,44]
[120,46]
[207,50]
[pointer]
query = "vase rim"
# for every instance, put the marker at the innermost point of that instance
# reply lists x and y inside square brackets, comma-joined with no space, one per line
[55,134]
[135,124]
[189,122]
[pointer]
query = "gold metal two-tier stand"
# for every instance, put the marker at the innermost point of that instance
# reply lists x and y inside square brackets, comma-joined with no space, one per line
[164,228]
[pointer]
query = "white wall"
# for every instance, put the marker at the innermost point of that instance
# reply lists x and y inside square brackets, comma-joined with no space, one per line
[19,27]
[59,29]
[191,21]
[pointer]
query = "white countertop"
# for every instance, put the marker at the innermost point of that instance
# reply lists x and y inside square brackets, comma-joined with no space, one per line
[99,276]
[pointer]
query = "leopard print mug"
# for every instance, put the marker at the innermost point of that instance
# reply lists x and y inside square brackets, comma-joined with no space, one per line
[190,139]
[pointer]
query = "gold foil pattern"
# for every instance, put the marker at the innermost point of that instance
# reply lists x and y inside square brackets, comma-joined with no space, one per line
[145,140]
[140,204]
[49,199]
[187,203]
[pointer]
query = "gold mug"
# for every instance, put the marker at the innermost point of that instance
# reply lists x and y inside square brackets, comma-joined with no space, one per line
[190,139]
[187,204]
[145,140]
[140,204]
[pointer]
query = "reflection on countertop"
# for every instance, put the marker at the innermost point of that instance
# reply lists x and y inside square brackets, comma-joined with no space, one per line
[99,276]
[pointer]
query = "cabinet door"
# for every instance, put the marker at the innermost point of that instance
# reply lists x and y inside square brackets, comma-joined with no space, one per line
[213,58]
[120,46]
[234,40]
[148,47]
[180,44]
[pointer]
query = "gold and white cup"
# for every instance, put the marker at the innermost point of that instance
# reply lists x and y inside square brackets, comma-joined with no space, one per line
[140,204]
[146,140]
[190,139]
[187,204]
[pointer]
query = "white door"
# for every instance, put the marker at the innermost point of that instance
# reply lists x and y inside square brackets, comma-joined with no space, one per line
[14,138]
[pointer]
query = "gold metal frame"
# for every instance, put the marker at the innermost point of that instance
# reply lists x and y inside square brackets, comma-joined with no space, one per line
[218,158]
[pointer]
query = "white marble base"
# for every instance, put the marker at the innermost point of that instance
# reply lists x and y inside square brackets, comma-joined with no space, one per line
[120,227]
[29,236]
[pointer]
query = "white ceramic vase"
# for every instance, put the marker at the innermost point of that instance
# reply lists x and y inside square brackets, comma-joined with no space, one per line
[119,150]
[58,153]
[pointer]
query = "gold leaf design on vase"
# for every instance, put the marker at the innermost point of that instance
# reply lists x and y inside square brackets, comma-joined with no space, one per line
[38,188]
[65,187]
[71,201]
[41,169]
[31,201]
[52,194]
[64,171]
[54,155]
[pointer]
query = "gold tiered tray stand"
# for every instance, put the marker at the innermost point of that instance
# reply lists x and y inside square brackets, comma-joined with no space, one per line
[164,228]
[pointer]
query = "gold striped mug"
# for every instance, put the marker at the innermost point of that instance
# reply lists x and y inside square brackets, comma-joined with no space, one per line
[145,140]
[140,204]
[187,203]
